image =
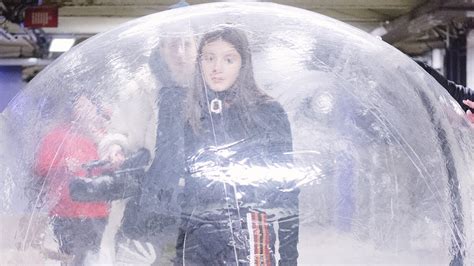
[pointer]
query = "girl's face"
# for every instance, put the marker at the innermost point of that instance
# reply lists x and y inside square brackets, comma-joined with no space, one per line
[220,63]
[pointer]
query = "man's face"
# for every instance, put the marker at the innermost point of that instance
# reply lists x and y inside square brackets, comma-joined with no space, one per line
[179,54]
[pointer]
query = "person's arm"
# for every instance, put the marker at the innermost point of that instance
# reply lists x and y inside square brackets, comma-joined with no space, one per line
[115,185]
[458,92]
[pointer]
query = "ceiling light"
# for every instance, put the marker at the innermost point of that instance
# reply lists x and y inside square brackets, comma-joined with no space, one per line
[61,44]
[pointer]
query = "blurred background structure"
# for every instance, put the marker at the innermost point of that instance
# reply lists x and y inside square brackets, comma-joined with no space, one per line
[35,32]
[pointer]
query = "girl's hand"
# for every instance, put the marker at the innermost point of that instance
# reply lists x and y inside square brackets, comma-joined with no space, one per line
[469,114]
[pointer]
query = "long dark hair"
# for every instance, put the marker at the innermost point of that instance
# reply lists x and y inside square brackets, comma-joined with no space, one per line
[245,92]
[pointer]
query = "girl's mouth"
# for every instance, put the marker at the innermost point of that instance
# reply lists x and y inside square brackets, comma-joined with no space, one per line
[217,79]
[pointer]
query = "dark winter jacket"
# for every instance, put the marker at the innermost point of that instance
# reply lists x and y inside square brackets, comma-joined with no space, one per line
[156,207]
[216,213]
[458,92]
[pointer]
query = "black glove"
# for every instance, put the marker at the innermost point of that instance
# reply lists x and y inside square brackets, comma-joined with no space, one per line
[120,184]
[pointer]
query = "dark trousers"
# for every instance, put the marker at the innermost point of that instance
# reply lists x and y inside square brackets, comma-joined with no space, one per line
[78,236]
[212,242]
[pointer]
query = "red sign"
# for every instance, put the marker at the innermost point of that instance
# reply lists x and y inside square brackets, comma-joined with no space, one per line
[41,17]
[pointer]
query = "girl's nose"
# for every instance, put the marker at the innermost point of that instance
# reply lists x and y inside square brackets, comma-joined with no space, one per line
[217,66]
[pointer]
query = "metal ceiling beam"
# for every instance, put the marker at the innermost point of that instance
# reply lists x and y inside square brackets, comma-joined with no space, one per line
[8,39]
[113,2]
[352,11]
[130,8]
[77,26]
[109,11]
[24,61]
[132,12]
[424,18]
[353,4]
[417,47]
[93,25]
[308,4]
[86,26]
[350,16]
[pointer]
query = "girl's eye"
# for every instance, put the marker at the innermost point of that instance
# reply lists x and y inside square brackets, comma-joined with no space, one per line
[229,60]
[208,58]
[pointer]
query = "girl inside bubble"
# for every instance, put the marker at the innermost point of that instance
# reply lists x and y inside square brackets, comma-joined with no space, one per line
[232,124]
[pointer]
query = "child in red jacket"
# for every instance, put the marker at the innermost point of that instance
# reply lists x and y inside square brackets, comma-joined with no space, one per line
[62,153]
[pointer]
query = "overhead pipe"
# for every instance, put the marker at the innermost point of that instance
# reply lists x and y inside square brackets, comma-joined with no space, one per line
[25,61]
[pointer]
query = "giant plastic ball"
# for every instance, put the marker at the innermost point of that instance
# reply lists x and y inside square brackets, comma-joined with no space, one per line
[380,162]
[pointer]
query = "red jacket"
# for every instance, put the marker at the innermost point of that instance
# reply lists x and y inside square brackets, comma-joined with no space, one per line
[58,160]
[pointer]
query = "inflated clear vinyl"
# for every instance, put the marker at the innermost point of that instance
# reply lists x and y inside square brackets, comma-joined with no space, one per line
[235,133]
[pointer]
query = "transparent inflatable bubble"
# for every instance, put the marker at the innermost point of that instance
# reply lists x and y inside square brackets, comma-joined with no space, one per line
[235,133]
